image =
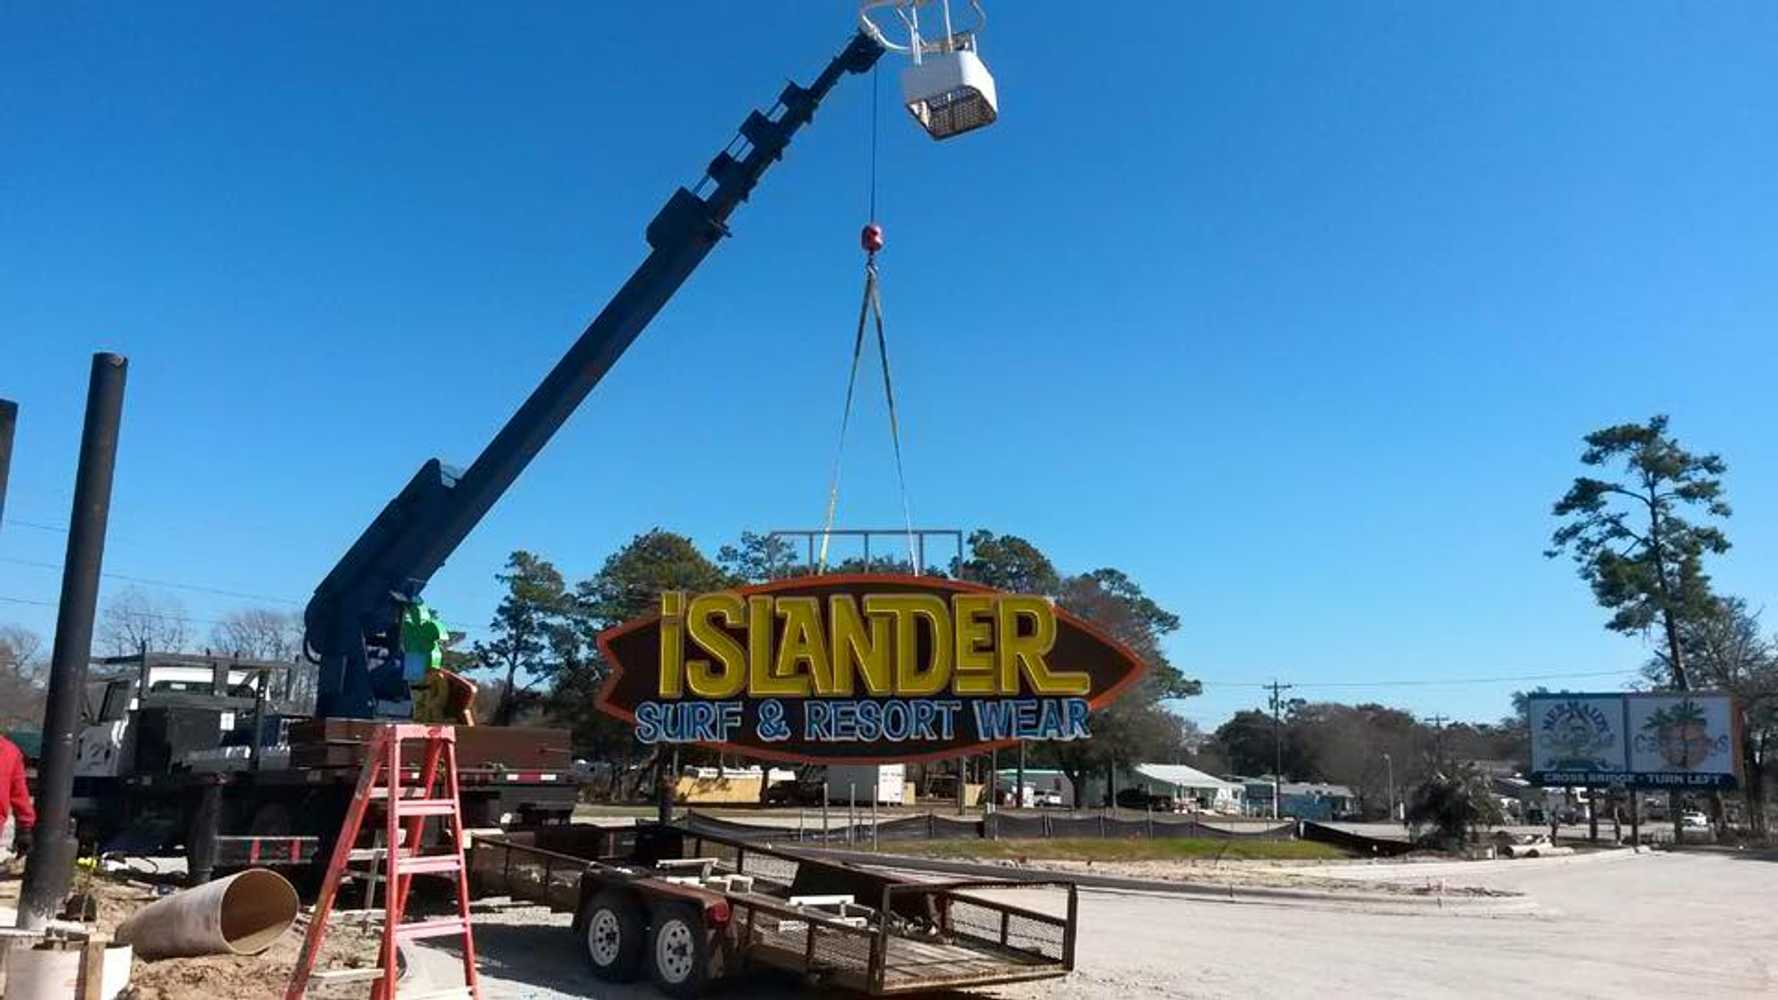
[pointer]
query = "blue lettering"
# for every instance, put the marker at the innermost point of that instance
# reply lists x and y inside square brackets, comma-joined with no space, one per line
[1025,724]
[993,719]
[1049,726]
[897,720]
[1077,719]
[817,721]
[845,720]
[648,726]
[731,719]
[923,715]
[948,717]
[870,721]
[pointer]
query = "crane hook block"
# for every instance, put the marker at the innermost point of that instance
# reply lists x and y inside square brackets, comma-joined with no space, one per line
[871,239]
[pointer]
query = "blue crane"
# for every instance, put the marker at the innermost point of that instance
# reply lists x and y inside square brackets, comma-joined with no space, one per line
[352,623]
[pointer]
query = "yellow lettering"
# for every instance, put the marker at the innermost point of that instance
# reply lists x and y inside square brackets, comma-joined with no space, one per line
[856,651]
[914,679]
[975,663]
[672,643]
[762,680]
[705,678]
[1025,651]
[803,643]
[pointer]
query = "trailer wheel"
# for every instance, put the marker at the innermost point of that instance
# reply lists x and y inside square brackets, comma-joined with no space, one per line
[679,952]
[614,933]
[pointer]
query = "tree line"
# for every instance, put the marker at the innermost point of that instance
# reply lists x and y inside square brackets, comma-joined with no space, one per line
[544,663]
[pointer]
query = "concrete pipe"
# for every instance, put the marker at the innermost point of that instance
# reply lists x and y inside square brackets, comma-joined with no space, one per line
[239,915]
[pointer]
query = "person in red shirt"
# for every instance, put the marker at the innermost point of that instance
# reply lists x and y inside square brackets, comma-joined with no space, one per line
[16,809]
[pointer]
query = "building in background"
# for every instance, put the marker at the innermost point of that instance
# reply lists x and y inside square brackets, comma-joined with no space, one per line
[1174,787]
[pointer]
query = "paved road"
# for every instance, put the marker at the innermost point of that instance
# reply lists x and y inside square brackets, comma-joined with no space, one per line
[1686,925]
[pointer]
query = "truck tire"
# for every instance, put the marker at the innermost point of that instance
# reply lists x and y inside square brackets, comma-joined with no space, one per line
[614,934]
[679,951]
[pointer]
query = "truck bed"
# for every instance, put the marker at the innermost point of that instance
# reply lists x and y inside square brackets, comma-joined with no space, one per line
[901,936]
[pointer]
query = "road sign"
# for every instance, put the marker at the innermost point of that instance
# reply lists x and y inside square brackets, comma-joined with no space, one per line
[1635,740]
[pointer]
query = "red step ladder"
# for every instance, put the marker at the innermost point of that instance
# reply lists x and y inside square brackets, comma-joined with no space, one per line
[404,816]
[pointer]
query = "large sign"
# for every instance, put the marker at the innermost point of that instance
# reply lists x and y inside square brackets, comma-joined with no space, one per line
[1683,740]
[860,668]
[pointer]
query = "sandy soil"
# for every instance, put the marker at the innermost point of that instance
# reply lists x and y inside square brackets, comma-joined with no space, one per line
[1269,874]
[247,977]
[1647,925]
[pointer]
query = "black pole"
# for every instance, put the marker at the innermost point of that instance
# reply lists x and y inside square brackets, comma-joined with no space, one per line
[1019,795]
[51,864]
[9,419]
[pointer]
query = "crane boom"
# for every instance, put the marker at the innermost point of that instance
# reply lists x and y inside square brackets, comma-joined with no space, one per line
[353,616]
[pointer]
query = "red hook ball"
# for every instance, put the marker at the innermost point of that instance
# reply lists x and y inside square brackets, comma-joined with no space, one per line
[871,239]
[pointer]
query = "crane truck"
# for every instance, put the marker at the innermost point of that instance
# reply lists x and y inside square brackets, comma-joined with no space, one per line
[215,754]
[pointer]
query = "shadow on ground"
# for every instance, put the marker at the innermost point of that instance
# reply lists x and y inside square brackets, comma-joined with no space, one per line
[522,960]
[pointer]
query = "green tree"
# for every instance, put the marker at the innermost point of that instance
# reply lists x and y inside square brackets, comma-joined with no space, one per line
[23,674]
[1455,799]
[627,586]
[1247,743]
[525,625]
[1010,563]
[1138,726]
[1630,536]
[760,558]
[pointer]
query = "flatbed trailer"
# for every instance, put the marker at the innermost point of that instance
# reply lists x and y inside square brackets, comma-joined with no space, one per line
[686,908]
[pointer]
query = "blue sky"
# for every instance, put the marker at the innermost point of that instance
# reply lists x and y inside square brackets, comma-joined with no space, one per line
[1295,312]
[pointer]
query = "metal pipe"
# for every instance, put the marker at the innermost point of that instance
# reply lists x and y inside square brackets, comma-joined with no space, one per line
[9,419]
[242,914]
[51,863]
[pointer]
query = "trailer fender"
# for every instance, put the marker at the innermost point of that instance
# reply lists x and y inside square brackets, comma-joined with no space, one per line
[592,884]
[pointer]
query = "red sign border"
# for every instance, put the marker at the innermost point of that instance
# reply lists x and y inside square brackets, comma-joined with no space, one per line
[601,702]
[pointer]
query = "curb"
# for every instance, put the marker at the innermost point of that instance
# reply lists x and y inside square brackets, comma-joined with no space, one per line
[1367,901]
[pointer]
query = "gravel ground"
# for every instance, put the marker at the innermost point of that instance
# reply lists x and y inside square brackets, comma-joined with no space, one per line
[1645,925]
[528,953]
[1650,925]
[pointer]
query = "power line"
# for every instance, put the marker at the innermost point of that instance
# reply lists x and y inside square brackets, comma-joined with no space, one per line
[152,582]
[39,525]
[133,613]
[1266,685]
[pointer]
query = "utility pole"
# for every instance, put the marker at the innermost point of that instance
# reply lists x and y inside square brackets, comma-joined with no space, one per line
[1390,765]
[1438,737]
[9,418]
[50,865]
[1277,742]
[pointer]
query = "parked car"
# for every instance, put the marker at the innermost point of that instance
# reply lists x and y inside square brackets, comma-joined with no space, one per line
[1136,798]
[1694,820]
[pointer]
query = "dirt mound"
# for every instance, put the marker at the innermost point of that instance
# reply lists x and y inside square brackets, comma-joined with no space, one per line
[351,943]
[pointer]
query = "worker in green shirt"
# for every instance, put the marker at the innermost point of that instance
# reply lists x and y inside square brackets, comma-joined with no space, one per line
[439,694]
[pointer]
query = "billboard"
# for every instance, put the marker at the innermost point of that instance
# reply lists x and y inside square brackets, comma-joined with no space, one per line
[1636,740]
[861,668]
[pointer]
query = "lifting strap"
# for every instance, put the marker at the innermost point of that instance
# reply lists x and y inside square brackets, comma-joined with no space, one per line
[871,307]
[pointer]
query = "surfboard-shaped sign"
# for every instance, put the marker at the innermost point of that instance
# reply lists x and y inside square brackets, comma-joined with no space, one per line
[862,668]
